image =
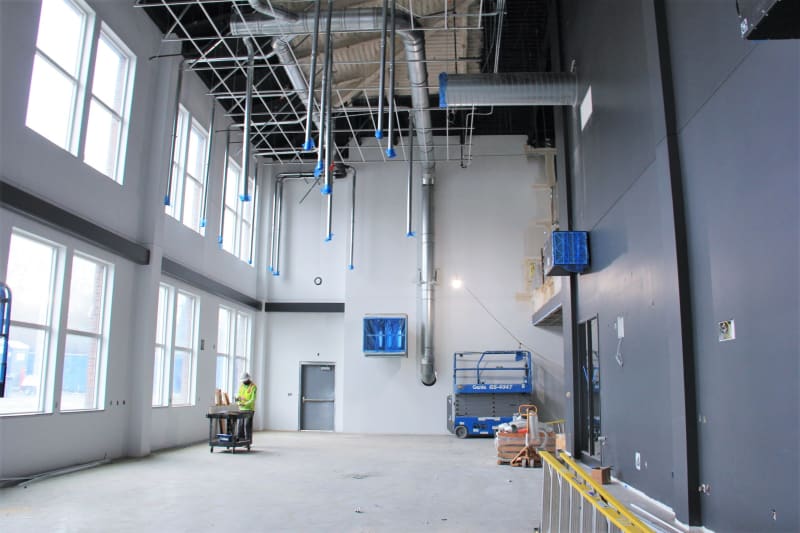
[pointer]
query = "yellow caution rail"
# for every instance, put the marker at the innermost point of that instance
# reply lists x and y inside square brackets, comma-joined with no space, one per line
[574,502]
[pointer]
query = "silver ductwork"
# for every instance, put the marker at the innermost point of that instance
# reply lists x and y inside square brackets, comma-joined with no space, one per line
[372,20]
[508,89]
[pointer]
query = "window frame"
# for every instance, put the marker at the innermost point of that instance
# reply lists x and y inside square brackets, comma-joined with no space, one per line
[92,31]
[179,170]
[170,347]
[237,213]
[231,356]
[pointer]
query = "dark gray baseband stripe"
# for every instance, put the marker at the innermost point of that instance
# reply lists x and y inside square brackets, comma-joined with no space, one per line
[304,307]
[199,281]
[40,210]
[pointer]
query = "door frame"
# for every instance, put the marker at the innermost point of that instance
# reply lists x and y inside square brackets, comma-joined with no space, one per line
[300,394]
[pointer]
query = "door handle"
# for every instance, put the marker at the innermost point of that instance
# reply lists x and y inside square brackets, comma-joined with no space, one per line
[315,400]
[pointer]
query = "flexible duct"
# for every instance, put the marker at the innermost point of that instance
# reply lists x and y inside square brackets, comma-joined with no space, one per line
[371,20]
[508,89]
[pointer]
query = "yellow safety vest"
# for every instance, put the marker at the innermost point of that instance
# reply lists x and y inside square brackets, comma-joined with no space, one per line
[247,397]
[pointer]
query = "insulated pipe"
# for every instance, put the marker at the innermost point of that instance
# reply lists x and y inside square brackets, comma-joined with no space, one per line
[409,181]
[309,141]
[508,89]
[211,136]
[352,221]
[390,153]
[174,138]
[224,188]
[271,266]
[248,118]
[255,214]
[327,186]
[370,20]
[382,79]
[277,270]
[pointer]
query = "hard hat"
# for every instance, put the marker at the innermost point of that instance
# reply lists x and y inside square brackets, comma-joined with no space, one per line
[244,377]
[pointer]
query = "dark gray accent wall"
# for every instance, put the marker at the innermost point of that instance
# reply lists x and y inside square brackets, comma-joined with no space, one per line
[687,177]
[195,279]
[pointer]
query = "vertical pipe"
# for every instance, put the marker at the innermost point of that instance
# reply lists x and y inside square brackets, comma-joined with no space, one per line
[352,220]
[390,153]
[248,118]
[327,187]
[329,218]
[382,83]
[224,187]
[427,369]
[309,141]
[255,214]
[324,100]
[173,138]
[277,270]
[409,181]
[272,226]
[211,135]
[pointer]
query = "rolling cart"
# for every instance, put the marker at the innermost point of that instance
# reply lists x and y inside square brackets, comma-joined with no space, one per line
[488,388]
[235,423]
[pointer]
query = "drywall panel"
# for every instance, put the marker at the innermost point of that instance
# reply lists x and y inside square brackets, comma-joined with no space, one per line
[741,174]
[706,47]
[292,339]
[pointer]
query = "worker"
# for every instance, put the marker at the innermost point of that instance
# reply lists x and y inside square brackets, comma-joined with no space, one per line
[246,399]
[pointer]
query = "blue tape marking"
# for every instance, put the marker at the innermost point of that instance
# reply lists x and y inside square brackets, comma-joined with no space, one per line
[411,234]
[350,267]
[378,134]
[318,172]
[276,273]
[270,269]
[309,145]
[203,223]
[327,189]
[245,197]
[390,153]
[443,90]
[219,240]
[166,200]
[329,238]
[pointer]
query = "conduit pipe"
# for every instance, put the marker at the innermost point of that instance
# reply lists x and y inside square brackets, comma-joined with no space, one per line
[370,20]
[352,221]
[207,179]
[327,186]
[382,73]
[390,153]
[248,118]
[309,141]
[220,238]
[508,89]
[410,180]
[174,138]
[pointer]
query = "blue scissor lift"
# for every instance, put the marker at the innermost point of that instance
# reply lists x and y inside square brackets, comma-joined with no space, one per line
[488,387]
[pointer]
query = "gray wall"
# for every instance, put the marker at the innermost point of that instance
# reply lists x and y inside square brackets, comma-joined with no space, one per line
[729,140]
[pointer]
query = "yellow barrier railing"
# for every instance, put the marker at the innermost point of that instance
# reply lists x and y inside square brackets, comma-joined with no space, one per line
[595,494]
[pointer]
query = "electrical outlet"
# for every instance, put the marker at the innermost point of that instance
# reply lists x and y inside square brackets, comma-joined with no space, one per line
[637,458]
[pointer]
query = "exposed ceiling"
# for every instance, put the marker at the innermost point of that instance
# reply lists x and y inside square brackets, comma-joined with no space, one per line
[461,36]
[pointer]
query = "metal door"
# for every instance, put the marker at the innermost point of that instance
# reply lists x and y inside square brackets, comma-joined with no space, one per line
[317,389]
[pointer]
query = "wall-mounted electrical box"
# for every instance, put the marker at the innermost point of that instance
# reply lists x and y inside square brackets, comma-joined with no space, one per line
[769,19]
[385,335]
[566,252]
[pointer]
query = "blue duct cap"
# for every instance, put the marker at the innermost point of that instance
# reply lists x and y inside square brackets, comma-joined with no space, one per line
[411,234]
[327,189]
[350,267]
[166,200]
[270,268]
[245,197]
[309,144]
[443,90]
[318,171]
[276,273]
[390,153]
[378,134]
[219,241]
[202,223]
[329,238]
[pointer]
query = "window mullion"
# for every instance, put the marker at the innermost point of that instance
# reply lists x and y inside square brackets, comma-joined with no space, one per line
[171,312]
[56,65]
[59,326]
[84,91]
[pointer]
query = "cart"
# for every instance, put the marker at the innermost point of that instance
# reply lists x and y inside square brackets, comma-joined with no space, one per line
[236,430]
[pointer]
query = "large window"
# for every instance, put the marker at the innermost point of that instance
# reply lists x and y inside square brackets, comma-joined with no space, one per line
[36,274]
[188,172]
[234,338]
[237,234]
[85,347]
[175,350]
[72,47]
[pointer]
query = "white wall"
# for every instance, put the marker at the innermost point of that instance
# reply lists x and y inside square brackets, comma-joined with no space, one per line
[484,232]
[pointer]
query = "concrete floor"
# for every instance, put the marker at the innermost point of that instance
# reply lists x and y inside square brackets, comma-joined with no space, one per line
[290,482]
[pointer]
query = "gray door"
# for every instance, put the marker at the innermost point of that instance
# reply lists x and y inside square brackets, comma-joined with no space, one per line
[317,397]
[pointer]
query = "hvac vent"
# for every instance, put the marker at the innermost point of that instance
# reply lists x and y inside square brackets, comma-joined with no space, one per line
[769,19]
[566,252]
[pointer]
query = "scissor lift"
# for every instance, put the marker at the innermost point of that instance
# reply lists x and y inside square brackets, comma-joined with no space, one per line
[488,388]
